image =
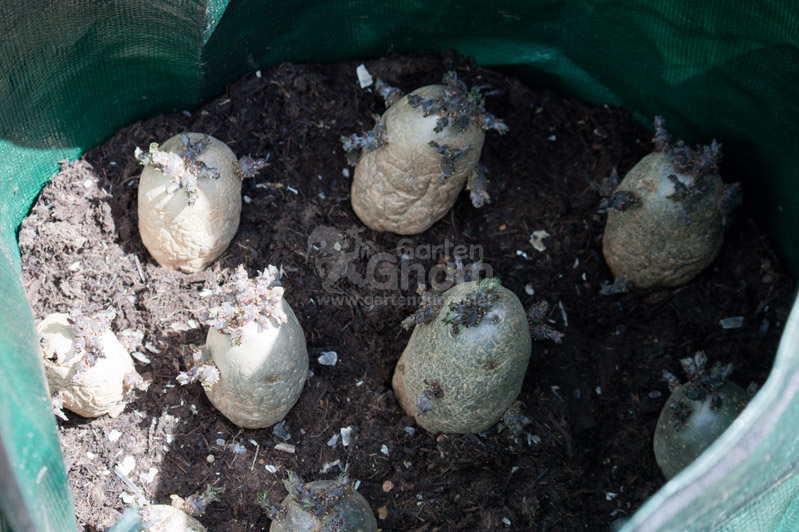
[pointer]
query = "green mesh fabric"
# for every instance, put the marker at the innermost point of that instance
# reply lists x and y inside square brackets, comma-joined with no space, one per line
[746,481]
[73,72]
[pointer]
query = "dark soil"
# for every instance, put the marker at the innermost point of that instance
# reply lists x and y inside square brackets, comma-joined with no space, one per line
[593,401]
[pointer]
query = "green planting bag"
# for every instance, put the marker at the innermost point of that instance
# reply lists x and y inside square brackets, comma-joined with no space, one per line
[73,72]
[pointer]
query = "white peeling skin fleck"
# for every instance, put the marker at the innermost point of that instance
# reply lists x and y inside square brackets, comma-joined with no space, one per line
[184,237]
[127,465]
[346,434]
[364,77]
[732,323]
[328,358]
[327,466]
[537,240]
[100,389]
[149,476]
[262,378]
[286,448]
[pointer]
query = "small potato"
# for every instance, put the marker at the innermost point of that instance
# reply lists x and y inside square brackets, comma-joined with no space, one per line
[86,366]
[165,518]
[696,413]
[319,506]
[180,515]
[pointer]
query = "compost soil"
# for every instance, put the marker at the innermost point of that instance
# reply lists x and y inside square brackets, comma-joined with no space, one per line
[584,462]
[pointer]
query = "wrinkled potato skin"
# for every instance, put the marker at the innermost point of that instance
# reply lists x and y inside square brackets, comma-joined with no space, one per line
[396,187]
[100,389]
[354,510]
[475,396]
[187,238]
[261,379]
[653,245]
[165,518]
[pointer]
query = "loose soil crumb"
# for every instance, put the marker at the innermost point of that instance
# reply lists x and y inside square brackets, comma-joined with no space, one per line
[586,459]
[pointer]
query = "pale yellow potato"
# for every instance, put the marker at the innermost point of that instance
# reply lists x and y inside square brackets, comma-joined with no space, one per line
[101,388]
[165,518]
[260,379]
[396,187]
[189,237]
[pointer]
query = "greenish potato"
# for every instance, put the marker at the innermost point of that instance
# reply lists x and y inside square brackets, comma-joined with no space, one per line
[696,414]
[676,447]
[656,244]
[350,513]
[666,218]
[460,378]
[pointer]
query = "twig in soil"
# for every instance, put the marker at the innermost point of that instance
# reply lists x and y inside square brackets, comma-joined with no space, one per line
[139,269]
[347,462]
[452,220]
[151,434]
[254,458]
[566,436]
[177,464]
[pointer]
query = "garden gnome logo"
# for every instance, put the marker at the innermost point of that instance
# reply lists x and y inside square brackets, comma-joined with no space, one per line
[336,255]
[340,255]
